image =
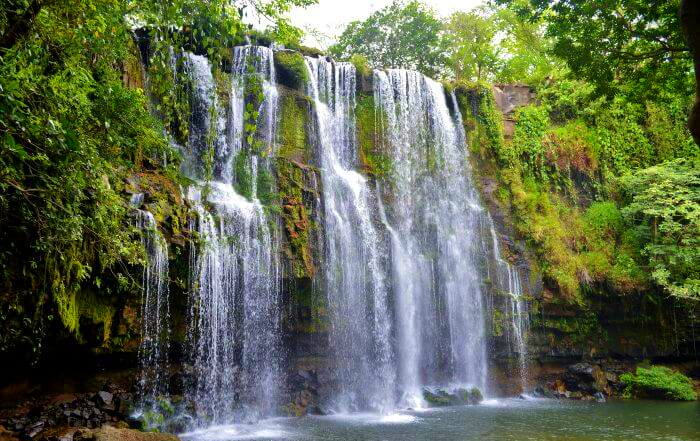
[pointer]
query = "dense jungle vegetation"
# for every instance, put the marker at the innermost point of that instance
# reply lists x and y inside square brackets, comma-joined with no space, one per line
[600,176]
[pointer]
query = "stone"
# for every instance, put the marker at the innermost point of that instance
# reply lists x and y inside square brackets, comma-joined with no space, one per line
[587,378]
[104,397]
[599,397]
[6,435]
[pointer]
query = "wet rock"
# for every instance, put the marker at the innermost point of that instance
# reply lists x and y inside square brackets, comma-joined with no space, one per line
[104,398]
[586,378]
[441,397]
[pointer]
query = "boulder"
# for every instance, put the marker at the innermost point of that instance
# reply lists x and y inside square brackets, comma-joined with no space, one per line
[104,398]
[441,397]
[587,378]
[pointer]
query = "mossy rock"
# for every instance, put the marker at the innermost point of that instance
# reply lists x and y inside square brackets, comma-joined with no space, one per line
[461,396]
[374,161]
[293,125]
[658,382]
[291,69]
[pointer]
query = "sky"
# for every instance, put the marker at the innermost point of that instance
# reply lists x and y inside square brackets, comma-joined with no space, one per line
[329,17]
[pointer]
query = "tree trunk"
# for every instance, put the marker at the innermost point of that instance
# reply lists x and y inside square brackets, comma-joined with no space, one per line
[690,20]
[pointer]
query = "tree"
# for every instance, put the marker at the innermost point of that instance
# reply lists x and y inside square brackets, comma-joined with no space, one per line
[634,47]
[527,56]
[402,35]
[665,209]
[469,38]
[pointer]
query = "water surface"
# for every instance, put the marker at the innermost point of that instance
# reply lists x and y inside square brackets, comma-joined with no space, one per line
[494,420]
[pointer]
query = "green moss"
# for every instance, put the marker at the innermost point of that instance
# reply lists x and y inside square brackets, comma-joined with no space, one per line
[295,216]
[483,121]
[292,128]
[244,174]
[658,382]
[266,187]
[292,172]
[72,307]
[291,69]
[374,161]
[498,322]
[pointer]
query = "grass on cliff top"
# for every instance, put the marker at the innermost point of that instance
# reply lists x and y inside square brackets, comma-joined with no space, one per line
[658,382]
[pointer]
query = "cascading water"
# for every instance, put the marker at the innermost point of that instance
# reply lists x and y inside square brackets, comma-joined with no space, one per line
[355,280]
[405,301]
[434,217]
[155,310]
[236,311]
[509,284]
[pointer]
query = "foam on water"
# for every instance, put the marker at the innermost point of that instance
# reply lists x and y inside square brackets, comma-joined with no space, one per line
[262,430]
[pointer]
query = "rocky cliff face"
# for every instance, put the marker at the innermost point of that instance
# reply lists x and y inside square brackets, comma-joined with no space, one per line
[574,347]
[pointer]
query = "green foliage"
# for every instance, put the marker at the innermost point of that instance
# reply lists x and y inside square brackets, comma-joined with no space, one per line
[531,125]
[665,210]
[402,35]
[529,59]
[361,64]
[469,38]
[71,133]
[244,174]
[483,121]
[291,69]
[658,382]
[632,47]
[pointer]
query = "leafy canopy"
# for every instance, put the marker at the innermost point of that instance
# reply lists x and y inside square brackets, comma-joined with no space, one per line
[402,35]
[665,208]
[469,39]
[631,46]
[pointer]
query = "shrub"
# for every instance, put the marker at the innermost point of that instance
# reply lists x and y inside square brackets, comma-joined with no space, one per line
[658,382]
[291,69]
[361,64]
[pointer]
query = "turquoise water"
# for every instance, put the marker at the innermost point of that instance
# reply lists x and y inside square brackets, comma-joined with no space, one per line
[495,420]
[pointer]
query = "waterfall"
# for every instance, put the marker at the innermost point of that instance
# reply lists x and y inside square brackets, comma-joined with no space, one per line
[155,309]
[355,280]
[402,259]
[235,334]
[435,215]
[509,284]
